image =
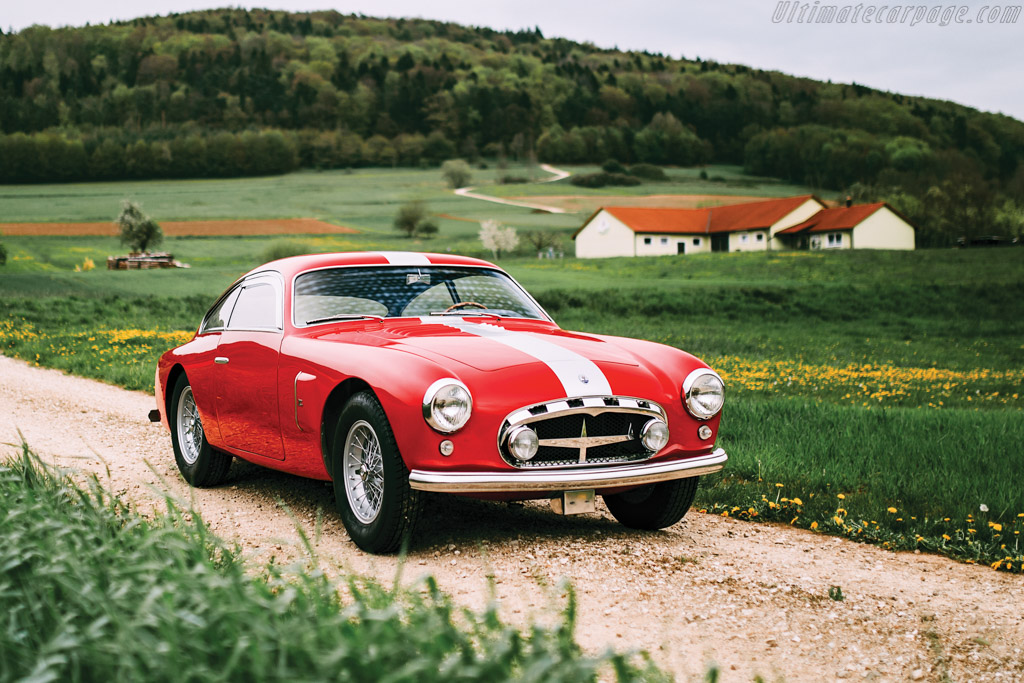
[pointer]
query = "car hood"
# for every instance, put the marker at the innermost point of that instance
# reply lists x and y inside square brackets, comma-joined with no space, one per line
[582,363]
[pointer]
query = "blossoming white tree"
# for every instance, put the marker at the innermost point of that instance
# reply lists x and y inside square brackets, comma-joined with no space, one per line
[497,237]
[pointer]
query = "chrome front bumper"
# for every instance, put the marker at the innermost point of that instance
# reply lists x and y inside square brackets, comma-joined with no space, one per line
[565,480]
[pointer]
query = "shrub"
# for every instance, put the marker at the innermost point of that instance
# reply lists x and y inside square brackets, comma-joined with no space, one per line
[613,166]
[456,173]
[648,172]
[3,254]
[601,179]
[285,248]
[412,220]
[513,179]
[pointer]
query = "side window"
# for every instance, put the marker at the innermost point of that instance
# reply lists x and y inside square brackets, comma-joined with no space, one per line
[217,318]
[256,308]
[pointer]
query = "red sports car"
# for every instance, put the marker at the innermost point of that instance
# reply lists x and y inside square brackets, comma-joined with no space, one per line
[394,373]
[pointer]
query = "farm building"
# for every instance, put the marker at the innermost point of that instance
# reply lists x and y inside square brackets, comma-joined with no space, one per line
[865,226]
[802,222]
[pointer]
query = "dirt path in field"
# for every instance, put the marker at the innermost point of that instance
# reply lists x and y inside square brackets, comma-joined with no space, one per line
[750,597]
[535,203]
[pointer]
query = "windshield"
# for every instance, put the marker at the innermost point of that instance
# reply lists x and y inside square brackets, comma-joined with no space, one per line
[406,291]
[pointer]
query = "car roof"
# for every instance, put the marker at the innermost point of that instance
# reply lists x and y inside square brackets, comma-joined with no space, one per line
[291,266]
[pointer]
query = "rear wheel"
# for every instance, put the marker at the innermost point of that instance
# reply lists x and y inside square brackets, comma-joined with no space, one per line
[197,461]
[371,483]
[655,506]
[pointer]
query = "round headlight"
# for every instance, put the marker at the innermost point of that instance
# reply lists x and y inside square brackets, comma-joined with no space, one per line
[704,393]
[523,443]
[447,405]
[654,435]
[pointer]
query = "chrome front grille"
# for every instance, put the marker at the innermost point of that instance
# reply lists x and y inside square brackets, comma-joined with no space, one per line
[580,432]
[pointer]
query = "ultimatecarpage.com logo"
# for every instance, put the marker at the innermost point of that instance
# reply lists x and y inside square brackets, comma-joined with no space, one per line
[912,15]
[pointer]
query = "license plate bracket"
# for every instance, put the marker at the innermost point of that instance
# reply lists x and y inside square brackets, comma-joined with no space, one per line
[574,502]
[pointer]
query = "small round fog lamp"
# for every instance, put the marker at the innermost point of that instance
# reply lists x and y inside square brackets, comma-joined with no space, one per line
[446,447]
[654,435]
[704,432]
[523,443]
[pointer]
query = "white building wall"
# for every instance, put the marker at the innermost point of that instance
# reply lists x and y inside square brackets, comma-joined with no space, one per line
[794,217]
[752,240]
[883,230]
[651,244]
[603,237]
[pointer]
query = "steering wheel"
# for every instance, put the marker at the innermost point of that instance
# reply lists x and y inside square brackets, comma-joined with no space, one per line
[464,304]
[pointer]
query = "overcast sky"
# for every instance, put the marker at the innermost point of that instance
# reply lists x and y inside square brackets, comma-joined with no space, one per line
[970,61]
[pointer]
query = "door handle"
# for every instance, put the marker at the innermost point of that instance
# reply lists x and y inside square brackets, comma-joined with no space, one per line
[221,360]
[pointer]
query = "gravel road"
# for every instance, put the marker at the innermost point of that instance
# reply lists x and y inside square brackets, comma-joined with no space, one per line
[752,598]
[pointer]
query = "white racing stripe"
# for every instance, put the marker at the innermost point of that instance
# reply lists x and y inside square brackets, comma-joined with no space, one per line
[405,258]
[579,376]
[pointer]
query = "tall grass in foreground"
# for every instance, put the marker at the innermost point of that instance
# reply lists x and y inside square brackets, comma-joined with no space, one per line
[92,591]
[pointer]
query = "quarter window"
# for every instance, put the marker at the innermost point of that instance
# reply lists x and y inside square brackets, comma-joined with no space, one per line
[217,318]
[256,308]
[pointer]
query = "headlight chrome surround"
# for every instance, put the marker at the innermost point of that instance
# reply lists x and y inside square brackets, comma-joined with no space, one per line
[446,394]
[701,384]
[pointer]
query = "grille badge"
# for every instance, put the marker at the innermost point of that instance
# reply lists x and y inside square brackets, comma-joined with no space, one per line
[583,442]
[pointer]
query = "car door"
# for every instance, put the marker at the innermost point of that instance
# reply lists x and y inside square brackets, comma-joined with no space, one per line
[247,360]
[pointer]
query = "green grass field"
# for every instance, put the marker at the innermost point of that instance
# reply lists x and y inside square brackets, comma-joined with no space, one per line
[92,590]
[892,379]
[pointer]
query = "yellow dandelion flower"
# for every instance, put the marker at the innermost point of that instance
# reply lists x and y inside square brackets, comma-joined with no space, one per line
[814,525]
[841,497]
[892,511]
[996,526]
[797,501]
[946,536]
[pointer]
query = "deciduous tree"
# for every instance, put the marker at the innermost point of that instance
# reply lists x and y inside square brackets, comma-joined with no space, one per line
[138,230]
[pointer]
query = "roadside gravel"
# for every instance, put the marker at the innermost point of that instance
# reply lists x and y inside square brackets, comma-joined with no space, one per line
[752,598]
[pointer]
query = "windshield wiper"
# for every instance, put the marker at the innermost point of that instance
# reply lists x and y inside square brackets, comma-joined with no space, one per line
[345,316]
[486,314]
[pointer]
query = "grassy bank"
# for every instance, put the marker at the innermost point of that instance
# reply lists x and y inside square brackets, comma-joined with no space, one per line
[93,591]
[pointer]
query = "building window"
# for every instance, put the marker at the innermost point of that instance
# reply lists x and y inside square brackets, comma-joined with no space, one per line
[696,241]
[835,239]
[647,240]
[760,237]
[664,240]
[744,238]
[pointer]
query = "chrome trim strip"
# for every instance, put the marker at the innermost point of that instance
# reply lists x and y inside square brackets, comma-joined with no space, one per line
[221,360]
[563,480]
[300,377]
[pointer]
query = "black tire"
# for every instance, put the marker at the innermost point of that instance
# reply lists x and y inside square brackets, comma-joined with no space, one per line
[371,488]
[199,463]
[655,506]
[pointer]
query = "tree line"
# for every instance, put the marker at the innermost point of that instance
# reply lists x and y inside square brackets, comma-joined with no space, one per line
[235,92]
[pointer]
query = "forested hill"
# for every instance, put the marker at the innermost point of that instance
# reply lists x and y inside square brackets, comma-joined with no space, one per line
[227,92]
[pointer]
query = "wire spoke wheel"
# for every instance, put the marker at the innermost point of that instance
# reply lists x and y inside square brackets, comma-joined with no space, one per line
[363,471]
[190,427]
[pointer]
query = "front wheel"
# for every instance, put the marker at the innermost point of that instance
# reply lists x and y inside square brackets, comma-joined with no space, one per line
[655,506]
[371,482]
[197,461]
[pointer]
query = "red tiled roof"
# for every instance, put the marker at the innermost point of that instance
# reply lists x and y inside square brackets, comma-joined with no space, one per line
[731,218]
[683,221]
[830,220]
